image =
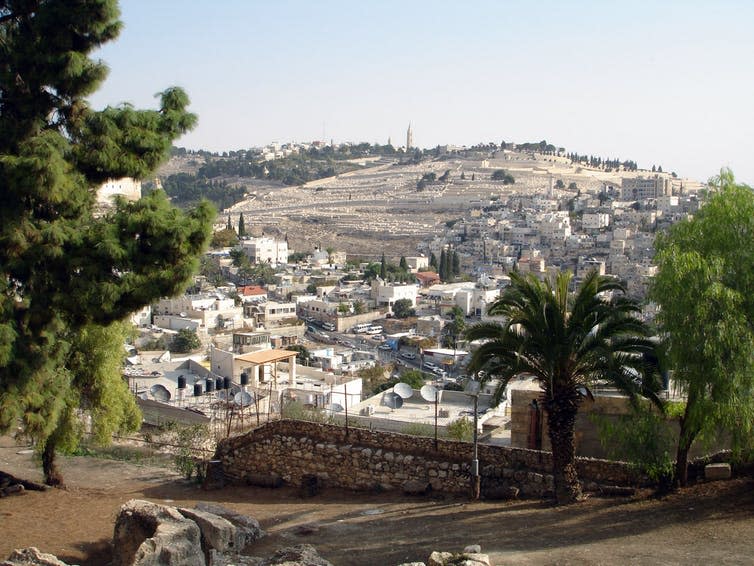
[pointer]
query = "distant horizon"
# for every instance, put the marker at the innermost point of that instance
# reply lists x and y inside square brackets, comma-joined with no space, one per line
[402,147]
[661,83]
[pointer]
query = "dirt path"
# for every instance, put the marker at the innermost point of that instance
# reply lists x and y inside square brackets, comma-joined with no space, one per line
[708,524]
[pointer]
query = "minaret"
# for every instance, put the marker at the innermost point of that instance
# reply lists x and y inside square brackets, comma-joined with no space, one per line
[409,138]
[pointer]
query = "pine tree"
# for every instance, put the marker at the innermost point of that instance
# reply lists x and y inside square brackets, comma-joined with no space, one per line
[433,261]
[229,225]
[63,268]
[456,264]
[403,264]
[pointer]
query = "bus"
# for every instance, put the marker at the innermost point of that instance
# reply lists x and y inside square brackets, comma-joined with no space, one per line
[374,329]
[360,328]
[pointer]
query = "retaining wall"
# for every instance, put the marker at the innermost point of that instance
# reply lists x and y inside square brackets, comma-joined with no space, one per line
[362,459]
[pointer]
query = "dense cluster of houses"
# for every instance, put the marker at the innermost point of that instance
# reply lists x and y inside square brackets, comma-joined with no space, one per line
[251,334]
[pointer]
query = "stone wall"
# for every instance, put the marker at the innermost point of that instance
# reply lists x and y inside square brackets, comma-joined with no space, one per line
[362,459]
[610,408]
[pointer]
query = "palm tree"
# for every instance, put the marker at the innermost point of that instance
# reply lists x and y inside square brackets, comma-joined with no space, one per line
[567,342]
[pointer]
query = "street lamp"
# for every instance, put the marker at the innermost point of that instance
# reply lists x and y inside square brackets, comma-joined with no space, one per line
[472,389]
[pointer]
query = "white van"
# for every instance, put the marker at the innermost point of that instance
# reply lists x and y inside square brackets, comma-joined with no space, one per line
[328,326]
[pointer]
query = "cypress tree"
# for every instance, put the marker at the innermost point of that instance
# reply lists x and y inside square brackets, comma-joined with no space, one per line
[241,226]
[383,268]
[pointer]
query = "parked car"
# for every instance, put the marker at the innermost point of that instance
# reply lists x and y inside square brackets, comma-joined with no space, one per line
[385,347]
[408,355]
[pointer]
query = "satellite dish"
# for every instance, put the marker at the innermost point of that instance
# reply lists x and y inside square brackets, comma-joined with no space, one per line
[393,400]
[335,407]
[472,387]
[243,398]
[160,392]
[429,393]
[404,390]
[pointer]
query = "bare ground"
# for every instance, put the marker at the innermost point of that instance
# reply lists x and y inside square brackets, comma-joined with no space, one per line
[709,523]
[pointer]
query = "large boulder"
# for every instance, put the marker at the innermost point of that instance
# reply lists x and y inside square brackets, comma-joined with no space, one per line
[248,529]
[148,534]
[31,557]
[217,533]
[220,559]
[452,559]
[299,555]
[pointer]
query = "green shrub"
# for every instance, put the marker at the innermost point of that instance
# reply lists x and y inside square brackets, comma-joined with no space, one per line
[461,429]
[644,439]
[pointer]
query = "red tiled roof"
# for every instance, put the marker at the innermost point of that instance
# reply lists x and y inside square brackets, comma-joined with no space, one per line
[251,290]
[427,276]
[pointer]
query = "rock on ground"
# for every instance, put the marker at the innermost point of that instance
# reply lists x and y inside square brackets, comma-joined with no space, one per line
[147,534]
[217,533]
[248,527]
[31,557]
[465,559]
[299,555]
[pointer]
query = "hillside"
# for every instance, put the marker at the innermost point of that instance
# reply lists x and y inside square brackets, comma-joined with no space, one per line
[380,203]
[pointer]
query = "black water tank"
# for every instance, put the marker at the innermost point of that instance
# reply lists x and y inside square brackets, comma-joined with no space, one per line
[219,383]
[197,389]
[181,382]
[244,378]
[226,383]
[210,385]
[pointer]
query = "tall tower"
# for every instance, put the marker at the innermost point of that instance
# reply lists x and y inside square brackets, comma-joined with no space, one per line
[409,138]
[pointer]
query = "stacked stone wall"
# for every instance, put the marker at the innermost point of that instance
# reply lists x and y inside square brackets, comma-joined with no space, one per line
[361,459]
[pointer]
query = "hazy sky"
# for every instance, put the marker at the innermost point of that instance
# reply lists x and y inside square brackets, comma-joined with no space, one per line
[665,82]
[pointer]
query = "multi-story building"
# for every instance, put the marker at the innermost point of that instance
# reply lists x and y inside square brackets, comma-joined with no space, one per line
[595,220]
[640,188]
[128,188]
[386,294]
[266,250]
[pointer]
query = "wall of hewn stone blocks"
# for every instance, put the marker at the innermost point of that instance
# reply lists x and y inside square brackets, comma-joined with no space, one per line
[361,459]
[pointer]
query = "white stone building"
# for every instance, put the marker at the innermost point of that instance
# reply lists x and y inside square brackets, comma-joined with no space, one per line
[640,188]
[386,294]
[595,220]
[265,250]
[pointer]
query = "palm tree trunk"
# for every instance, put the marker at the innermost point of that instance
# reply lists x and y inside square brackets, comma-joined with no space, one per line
[561,421]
